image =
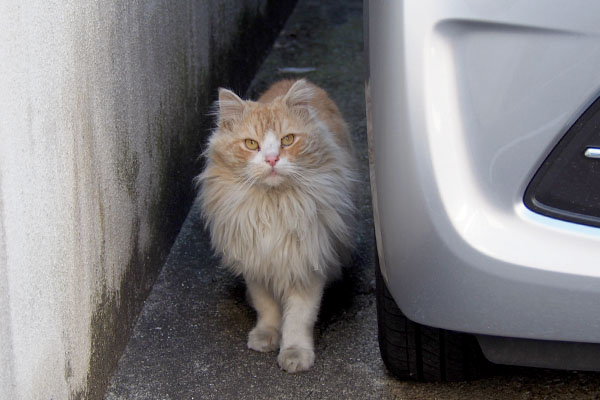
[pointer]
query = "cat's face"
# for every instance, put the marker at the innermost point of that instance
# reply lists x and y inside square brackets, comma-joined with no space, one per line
[268,144]
[271,154]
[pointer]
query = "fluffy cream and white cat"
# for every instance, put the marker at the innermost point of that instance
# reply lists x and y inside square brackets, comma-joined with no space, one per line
[277,196]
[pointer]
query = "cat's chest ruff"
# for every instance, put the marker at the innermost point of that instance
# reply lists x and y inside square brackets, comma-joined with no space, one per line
[273,213]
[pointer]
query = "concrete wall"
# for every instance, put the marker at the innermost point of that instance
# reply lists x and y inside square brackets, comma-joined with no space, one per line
[102,116]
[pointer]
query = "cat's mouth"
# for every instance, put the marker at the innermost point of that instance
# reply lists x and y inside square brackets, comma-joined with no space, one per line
[273,177]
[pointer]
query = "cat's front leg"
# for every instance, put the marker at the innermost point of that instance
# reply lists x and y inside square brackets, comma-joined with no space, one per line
[265,335]
[301,307]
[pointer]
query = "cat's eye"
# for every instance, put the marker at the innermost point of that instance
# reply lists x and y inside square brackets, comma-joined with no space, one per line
[251,144]
[287,140]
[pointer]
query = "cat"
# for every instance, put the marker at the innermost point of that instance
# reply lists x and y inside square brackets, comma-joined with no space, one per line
[277,194]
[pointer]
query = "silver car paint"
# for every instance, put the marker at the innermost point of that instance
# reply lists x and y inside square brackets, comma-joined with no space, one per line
[466,100]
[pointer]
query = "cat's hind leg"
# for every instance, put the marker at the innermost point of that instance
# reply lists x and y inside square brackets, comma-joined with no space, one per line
[300,313]
[265,335]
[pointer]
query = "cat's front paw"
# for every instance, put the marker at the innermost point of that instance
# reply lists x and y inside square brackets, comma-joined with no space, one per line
[295,359]
[263,339]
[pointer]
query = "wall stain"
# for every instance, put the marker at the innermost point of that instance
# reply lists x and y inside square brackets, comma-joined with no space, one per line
[127,166]
[178,159]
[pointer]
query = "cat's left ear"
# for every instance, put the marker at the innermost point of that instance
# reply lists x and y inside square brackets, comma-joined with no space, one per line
[299,95]
[230,107]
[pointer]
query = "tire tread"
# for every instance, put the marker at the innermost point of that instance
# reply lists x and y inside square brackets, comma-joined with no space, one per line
[411,351]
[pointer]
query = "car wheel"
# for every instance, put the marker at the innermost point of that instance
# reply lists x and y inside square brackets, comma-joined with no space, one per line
[412,351]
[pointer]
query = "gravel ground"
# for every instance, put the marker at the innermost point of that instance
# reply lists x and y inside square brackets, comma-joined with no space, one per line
[190,340]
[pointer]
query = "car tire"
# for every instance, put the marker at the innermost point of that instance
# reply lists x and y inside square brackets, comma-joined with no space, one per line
[416,352]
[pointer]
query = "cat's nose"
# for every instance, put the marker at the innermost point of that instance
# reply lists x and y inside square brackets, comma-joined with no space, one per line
[272,159]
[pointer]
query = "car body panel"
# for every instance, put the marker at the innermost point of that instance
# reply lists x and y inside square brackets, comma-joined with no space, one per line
[466,99]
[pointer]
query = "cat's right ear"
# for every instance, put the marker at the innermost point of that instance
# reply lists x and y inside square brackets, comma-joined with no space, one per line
[229,108]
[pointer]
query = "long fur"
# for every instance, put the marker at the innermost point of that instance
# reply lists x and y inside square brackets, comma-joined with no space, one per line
[286,234]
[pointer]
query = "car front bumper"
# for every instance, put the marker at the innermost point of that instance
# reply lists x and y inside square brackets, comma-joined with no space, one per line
[466,99]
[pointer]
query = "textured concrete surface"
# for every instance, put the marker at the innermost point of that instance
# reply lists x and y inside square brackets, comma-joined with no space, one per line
[190,341]
[102,105]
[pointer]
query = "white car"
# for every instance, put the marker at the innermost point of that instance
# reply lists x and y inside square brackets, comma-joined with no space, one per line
[484,127]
